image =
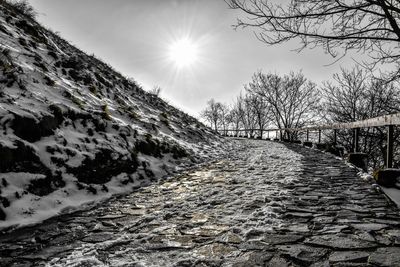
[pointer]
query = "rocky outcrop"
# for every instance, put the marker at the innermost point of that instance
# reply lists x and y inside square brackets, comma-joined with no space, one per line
[105,165]
[32,129]
[20,158]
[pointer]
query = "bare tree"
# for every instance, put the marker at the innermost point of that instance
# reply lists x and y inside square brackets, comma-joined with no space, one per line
[354,95]
[224,117]
[212,113]
[363,25]
[156,90]
[236,114]
[344,98]
[292,98]
[259,110]
[248,119]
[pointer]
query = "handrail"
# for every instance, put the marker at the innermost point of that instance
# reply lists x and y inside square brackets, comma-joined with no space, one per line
[388,121]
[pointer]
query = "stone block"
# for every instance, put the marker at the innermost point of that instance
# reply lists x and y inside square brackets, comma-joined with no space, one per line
[335,150]
[387,177]
[321,146]
[359,160]
[307,144]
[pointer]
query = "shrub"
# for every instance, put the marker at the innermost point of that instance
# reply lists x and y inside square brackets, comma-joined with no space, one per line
[93,89]
[106,112]
[164,118]
[77,101]
[133,115]
[22,7]
[74,75]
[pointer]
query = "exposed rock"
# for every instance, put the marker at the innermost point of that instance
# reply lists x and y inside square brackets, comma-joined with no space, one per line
[98,237]
[385,257]
[276,239]
[369,226]
[32,129]
[21,159]
[104,166]
[302,253]
[345,256]
[339,241]
[45,186]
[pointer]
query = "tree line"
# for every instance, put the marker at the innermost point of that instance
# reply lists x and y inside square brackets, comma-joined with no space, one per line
[271,100]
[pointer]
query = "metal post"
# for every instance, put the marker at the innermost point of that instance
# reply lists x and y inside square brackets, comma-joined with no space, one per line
[389,155]
[281,137]
[276,135]
[356,139]
[334,136]
[308,135]
[319,136]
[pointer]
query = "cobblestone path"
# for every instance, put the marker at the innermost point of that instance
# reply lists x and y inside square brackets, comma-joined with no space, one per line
[267,204]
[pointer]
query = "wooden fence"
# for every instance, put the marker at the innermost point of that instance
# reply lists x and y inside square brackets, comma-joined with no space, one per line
[388,121]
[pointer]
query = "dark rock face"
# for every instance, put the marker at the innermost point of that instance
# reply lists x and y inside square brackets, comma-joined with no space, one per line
[32,130]
[103,167]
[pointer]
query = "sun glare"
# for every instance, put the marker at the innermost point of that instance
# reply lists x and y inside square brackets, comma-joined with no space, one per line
[183,52]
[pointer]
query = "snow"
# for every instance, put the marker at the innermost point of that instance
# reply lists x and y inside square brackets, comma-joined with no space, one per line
[30,209]
[70,142]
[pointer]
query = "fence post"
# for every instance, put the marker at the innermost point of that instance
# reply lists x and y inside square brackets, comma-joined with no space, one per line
[281,136]
[319,136]
[389,155]
[356,139]
[308,135]
[334,136]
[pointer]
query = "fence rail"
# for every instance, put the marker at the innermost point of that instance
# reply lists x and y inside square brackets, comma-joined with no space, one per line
[388,121]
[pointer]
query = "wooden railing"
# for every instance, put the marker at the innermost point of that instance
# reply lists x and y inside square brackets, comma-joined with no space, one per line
[388,121]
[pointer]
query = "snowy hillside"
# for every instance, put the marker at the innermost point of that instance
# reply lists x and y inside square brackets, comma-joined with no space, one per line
[73,130]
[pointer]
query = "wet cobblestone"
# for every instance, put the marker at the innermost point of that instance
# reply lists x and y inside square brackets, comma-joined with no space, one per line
[267,204]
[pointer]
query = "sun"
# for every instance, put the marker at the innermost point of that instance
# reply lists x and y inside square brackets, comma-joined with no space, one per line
[183,52]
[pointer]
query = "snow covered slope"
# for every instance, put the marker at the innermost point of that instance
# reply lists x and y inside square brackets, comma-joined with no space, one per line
[73,130]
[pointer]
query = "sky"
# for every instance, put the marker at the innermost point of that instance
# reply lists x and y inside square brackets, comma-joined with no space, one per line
[142,39]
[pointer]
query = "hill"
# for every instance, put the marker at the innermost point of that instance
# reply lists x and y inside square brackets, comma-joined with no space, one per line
[73,130]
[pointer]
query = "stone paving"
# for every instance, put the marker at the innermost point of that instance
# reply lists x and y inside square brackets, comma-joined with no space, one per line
[266,204]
